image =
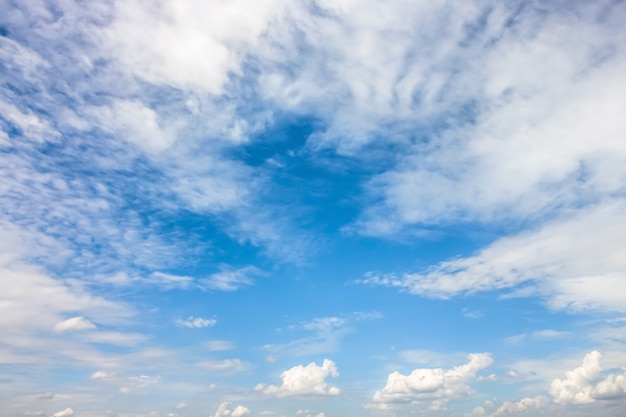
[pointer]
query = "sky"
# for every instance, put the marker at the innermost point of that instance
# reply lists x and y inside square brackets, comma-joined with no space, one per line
[312,208]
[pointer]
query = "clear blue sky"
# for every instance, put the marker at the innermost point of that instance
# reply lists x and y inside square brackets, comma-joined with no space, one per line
[312,208]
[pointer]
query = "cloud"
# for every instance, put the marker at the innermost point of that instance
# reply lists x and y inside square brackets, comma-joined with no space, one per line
[582,385]
[74,323]
[225,409]
[527,145]
[304,381]
[552,261]
[309,413]
[325,334]
[196,322]
[102,376]
[511,407]
[524,404]
[432,383]
[168,281]
[137,383]
[229,279]
[68,412]
[215,37]
[545,334]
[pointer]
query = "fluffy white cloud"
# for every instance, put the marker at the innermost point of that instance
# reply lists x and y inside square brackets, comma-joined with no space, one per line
[432,383]
[225,409]
[215,35]
[196,322]
[552,261]
[74,323]
[68,412]
[305,380]
[582,385]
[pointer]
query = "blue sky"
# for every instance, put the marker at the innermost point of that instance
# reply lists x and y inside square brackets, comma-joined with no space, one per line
[312,208]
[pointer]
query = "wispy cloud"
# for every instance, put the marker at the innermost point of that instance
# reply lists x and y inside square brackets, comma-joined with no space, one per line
[570,272]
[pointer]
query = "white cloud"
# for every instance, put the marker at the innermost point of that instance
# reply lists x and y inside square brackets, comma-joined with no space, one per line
[137,383]
[215,35]
[229,279]
[309,413]
[325,337]
[33,127]
[552,261]
[133,121]
[68,412]
[74,323]
[181,406]
[169,281]
[432,383]
[196,322]
[541,139]
[508,408]
[305,380]
[225,409]
[102,376]
[582,385]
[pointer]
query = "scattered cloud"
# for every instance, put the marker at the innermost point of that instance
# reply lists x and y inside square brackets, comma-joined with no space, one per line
[432,383]
[102,376]
[196,322]
[304,381]
[325,334]
[168,281]
[226,409]
[552,261]
[511,408]
[582,385]
[74,323]
[68,412]
[229,279]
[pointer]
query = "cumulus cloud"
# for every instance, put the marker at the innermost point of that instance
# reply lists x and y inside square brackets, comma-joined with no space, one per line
[74,323]
[68,412]
[305,380]
[524,404]
[432,383]
[196,322]
[226,409]
[582,385]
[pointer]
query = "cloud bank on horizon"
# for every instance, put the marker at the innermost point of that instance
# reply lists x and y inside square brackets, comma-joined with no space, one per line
[413,207]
